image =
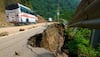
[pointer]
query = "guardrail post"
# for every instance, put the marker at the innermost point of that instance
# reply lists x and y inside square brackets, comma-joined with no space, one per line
[95,40]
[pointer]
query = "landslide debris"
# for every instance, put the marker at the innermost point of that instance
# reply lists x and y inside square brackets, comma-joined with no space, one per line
[40,19]
[51,39]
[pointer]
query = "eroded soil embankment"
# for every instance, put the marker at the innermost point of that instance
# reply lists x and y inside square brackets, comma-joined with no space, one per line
[52,39]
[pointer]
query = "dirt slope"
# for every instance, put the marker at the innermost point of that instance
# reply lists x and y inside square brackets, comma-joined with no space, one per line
[52,39]
[40,19]
[2,13]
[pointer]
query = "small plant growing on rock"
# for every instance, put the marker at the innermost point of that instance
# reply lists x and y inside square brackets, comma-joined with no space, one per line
[79,45]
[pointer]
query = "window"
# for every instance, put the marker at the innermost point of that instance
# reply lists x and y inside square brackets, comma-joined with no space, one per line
[11,6]
[25,10]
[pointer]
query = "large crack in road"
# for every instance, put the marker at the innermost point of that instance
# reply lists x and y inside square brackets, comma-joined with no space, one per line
[16,45]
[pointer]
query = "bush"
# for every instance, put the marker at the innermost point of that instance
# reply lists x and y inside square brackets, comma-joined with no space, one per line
[86,51]
[79,43]
[98,51]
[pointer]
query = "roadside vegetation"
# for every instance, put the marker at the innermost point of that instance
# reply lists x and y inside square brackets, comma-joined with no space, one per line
[78,43]
[49,7]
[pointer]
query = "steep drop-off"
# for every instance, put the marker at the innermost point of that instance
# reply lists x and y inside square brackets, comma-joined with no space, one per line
[51,39]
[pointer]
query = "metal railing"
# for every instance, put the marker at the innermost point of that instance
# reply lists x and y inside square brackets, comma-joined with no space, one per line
[87,15]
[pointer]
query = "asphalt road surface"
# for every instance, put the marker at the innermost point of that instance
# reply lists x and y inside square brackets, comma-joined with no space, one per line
[11,30]
[15,45]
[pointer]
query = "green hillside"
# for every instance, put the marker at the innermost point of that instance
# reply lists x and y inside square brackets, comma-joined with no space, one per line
[48,8]
[45,8]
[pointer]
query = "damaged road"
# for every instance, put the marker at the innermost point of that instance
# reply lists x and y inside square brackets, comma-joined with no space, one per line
[15,45]
[51,39]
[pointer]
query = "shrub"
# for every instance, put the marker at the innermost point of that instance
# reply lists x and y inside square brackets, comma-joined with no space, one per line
[79,44]
[98,51]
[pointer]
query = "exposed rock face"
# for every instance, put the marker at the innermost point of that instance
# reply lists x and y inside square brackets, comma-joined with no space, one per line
[35,41]
[52,39]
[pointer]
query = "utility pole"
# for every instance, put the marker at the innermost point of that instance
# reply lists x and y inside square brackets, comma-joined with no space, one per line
[58,10]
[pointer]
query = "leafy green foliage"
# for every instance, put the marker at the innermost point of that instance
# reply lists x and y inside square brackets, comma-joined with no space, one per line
[80,43]
[98,51]
[86,51]
[48,8]
[27,3]
[67,14]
